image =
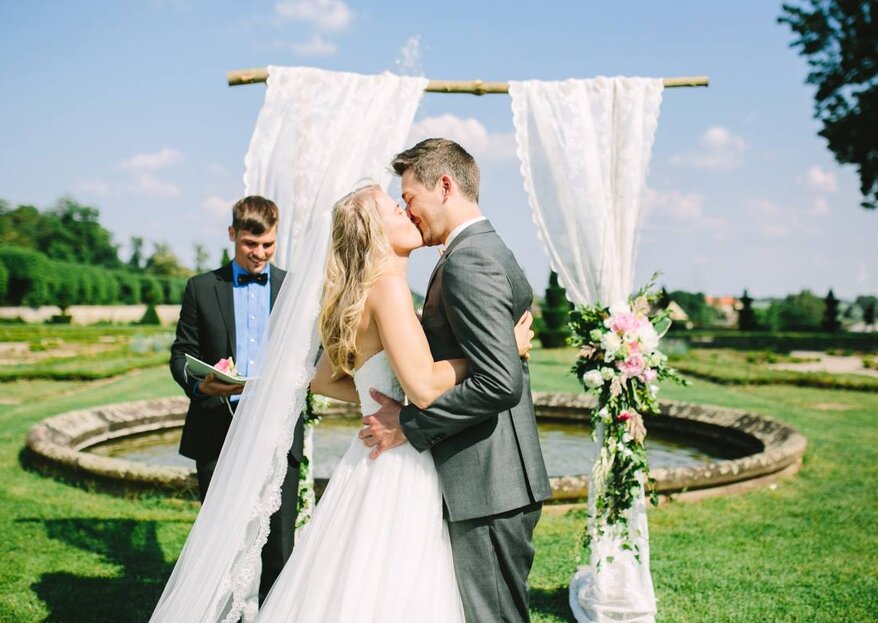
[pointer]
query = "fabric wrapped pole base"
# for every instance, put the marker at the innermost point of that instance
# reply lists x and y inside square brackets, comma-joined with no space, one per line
[590,606]
[621,590]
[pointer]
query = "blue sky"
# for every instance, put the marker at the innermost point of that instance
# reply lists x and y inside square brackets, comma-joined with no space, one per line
[124,106]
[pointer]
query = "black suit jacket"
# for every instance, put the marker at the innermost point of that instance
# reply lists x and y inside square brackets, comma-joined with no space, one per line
[207,330]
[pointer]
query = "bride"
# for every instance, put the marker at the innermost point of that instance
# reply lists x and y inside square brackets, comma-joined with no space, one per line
[377,548]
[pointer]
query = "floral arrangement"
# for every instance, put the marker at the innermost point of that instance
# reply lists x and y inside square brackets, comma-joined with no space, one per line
[620,362]
[227,366]
[306,497]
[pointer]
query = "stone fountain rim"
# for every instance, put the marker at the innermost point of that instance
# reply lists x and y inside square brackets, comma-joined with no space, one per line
[58,443]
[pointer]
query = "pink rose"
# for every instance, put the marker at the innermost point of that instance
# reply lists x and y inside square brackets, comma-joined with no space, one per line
[624,416]
[625,321]
[222,365]
[648,375]
[632,365]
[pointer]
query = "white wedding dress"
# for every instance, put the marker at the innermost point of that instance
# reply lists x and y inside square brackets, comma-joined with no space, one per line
[376,548]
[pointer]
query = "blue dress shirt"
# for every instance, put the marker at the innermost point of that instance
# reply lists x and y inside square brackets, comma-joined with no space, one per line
[252,307]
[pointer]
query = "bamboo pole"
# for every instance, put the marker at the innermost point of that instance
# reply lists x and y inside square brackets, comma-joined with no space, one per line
[476,87]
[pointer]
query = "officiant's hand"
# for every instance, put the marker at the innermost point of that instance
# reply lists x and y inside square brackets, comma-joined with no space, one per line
[381,430]
[211,387]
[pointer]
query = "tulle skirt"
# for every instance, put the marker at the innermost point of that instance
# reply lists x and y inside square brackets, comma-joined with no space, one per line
[376,548]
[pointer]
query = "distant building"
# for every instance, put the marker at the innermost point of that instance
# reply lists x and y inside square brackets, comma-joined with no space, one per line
[678,315]
[726,307]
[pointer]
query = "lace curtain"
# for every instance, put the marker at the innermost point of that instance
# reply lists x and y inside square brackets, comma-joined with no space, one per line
[319,133]
[584,147]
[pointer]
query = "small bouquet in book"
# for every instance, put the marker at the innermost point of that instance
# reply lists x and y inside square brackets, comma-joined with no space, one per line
[224,370]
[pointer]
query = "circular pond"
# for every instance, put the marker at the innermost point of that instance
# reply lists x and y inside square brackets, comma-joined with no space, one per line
[694,450]
[567,448]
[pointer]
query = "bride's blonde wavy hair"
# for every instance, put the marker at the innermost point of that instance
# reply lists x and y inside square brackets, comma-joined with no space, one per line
[359,251]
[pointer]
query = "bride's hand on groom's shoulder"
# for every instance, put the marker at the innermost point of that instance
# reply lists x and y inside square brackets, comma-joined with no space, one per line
[381,430]
[524,335]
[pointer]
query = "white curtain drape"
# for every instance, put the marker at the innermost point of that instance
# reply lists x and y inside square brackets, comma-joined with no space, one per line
[319,133]
[584,147]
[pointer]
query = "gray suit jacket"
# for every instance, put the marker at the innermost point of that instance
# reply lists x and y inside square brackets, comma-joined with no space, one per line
[482,432]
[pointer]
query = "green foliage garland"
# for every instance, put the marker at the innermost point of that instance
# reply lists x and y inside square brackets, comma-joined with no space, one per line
[619,361]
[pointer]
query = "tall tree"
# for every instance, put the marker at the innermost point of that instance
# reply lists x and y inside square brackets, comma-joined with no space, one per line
[135,262]
[800,312]
[839,38]
[869,314]
[164,262]
[830,322]
[79,237]
[69,232]
[201,258]
[746,315]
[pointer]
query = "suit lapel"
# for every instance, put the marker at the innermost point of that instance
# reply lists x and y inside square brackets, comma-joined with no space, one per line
[226,303]
[276,281]
[476,228]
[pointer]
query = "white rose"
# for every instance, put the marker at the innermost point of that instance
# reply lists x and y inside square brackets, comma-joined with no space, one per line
[620,307]
[649,339]
[607,373]
[611,342]
[593,379]
[629,336]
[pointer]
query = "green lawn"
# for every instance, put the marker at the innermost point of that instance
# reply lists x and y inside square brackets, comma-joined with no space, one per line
[804,551]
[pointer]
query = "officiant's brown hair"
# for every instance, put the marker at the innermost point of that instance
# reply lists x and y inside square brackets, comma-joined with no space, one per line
[254,214]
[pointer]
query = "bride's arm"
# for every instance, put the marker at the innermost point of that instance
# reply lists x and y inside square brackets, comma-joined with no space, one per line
[340,387]
[403,339]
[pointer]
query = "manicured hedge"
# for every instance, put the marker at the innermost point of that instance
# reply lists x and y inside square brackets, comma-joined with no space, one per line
[28,277]
[781,342]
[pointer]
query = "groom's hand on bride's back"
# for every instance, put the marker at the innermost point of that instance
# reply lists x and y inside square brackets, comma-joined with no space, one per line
[381,430]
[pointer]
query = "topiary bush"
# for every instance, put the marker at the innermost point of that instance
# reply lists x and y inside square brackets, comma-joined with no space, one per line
[553,329]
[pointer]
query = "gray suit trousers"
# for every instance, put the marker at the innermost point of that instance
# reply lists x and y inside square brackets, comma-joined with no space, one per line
[492,559]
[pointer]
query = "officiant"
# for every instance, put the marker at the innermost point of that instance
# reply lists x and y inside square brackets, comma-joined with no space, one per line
[224,314]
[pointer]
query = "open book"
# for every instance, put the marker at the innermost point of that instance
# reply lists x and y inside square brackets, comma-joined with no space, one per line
[197,369]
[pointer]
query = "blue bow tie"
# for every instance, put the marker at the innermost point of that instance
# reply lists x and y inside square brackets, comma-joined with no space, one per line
[246,278]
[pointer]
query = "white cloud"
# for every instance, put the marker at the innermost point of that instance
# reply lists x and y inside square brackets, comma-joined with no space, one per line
[218,206]
[152,161]
[218,170]
[820,207]
[315,46]
[821,181]
[773,220]
[469,132]
[719,148]
[94,187]
[677,210]
[326,15]
[147,185]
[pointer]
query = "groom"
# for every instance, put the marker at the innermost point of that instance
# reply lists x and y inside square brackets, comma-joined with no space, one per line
[225,314]
[482,432]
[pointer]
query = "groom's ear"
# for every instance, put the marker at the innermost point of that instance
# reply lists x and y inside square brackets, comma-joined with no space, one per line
[231,233]
[446,185]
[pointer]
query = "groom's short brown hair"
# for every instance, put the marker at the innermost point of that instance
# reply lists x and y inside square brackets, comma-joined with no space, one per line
[434,157]
[254,214]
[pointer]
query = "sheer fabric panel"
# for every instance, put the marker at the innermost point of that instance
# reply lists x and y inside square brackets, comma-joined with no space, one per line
[584,147]
[318,134]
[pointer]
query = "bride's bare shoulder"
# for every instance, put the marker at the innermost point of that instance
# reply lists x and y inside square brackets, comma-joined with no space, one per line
[389,292]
